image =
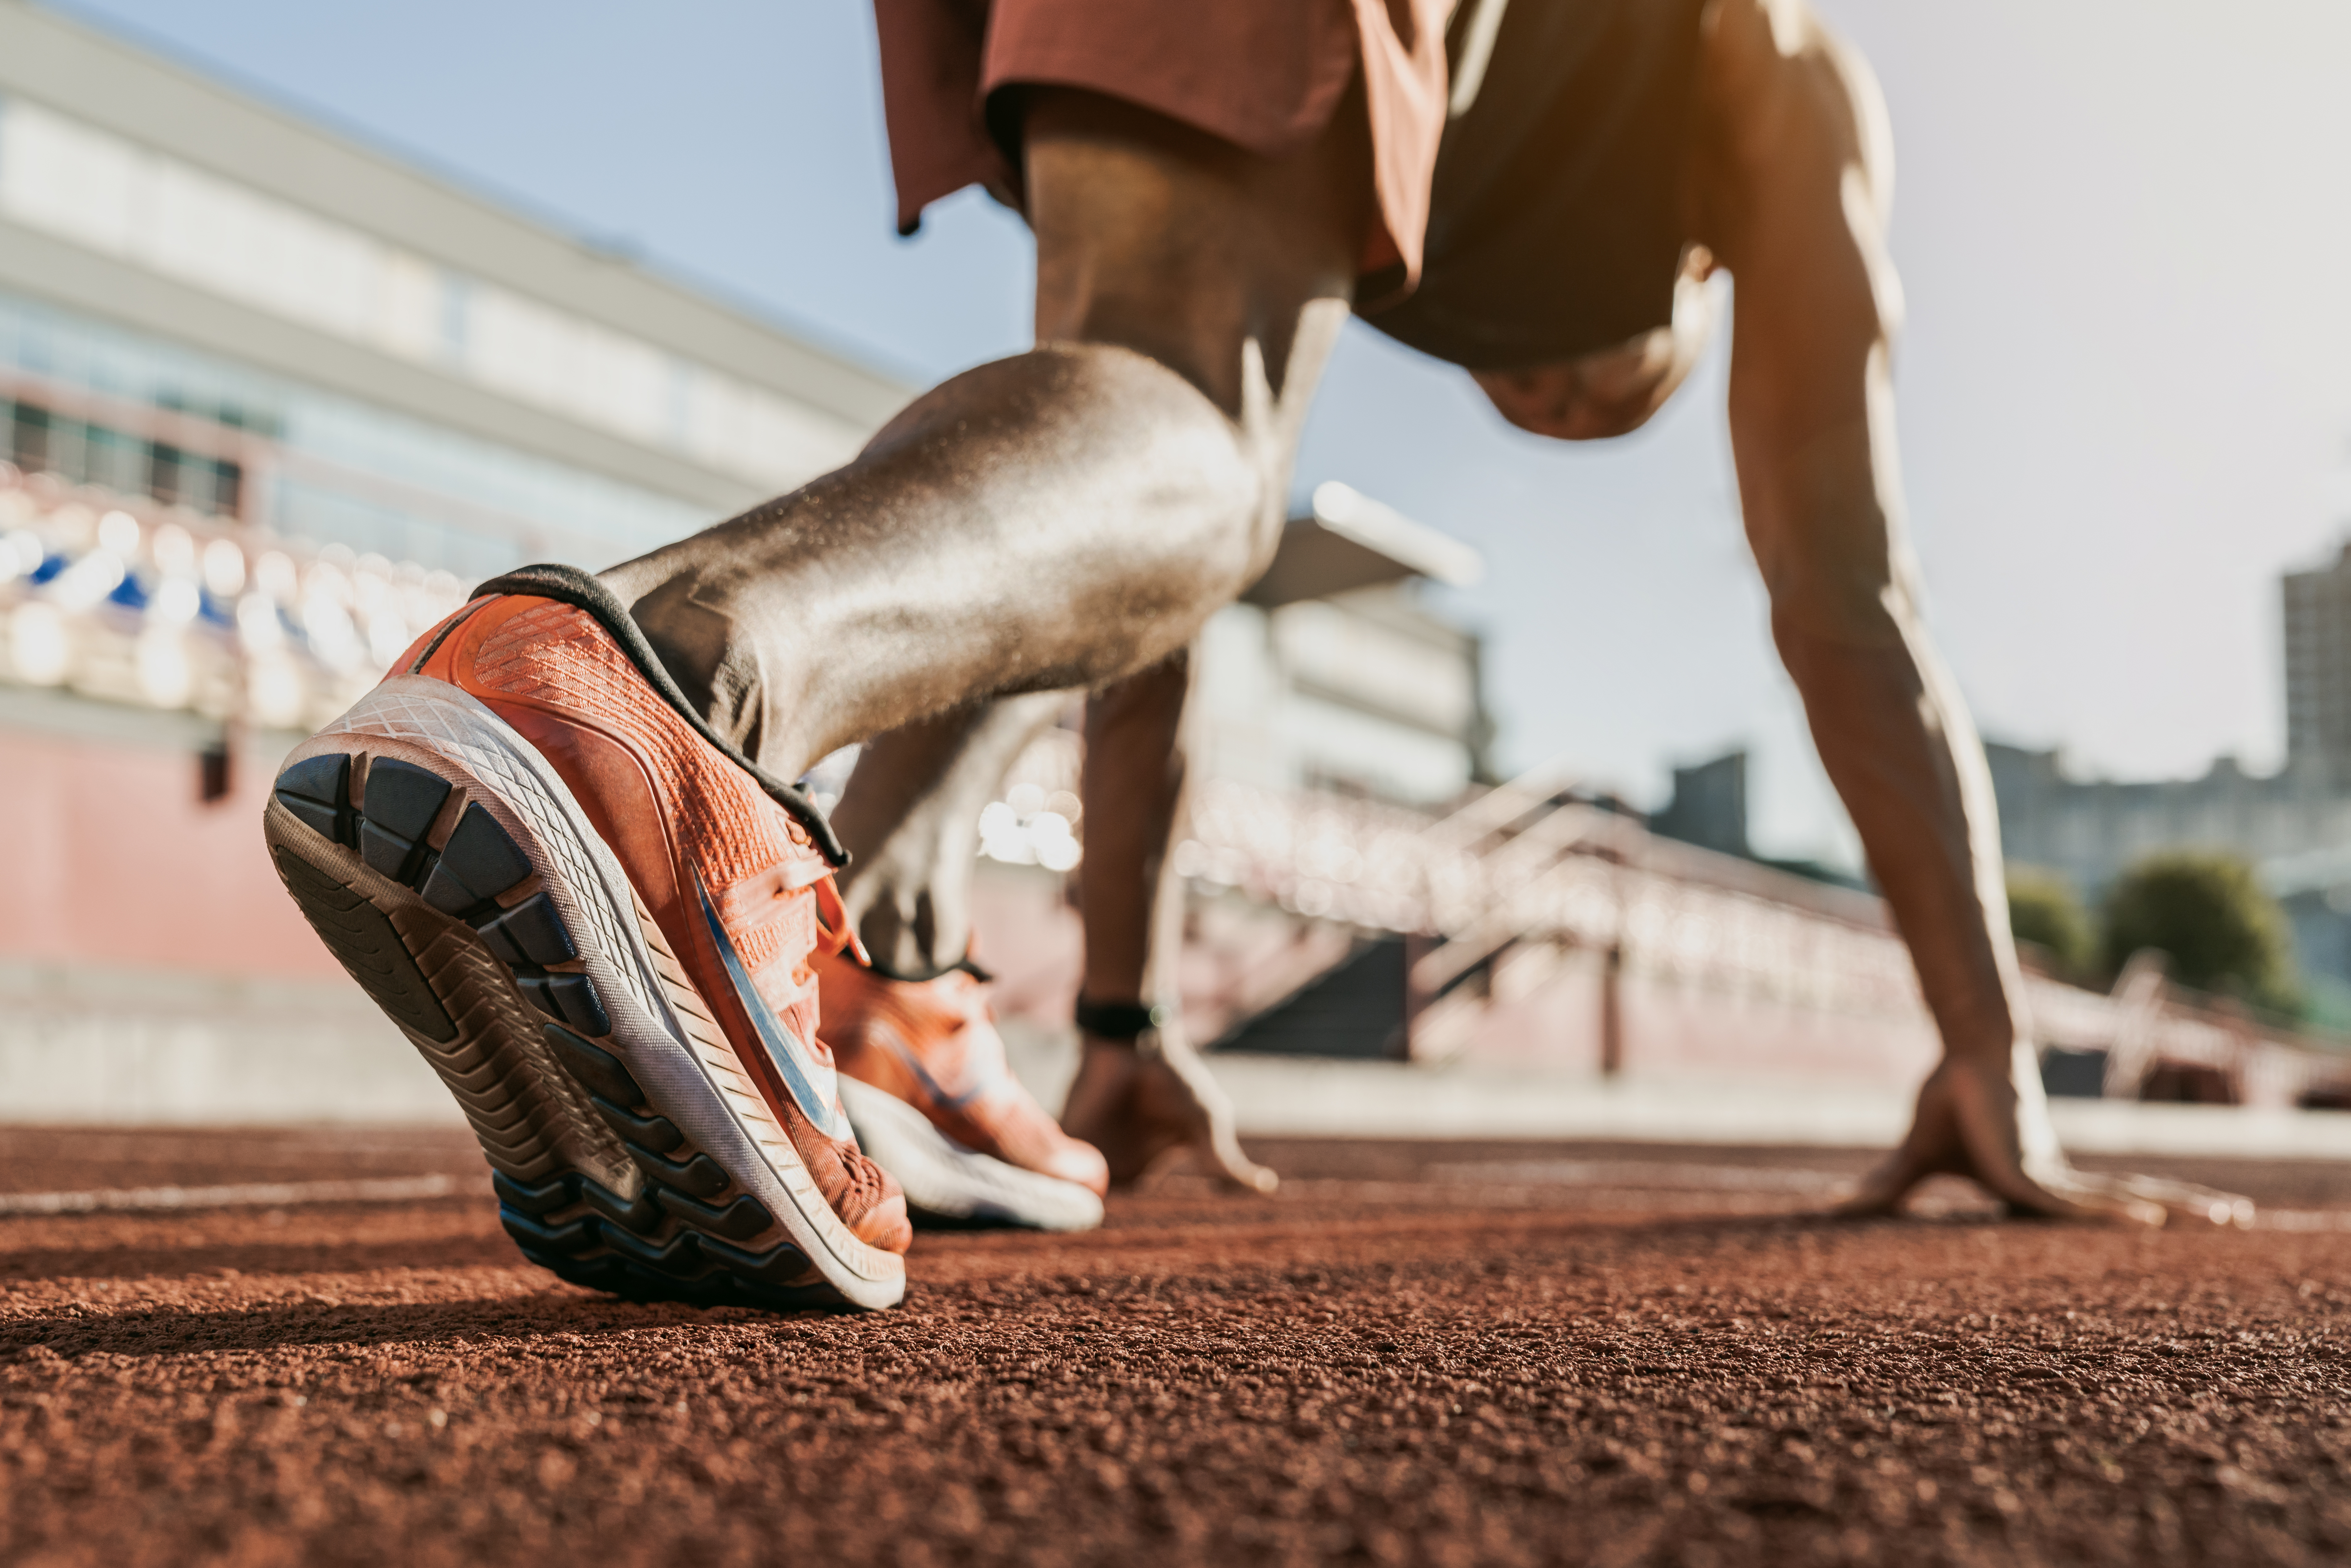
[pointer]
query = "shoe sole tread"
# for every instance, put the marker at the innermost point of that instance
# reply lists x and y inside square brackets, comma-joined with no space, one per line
[611,1196]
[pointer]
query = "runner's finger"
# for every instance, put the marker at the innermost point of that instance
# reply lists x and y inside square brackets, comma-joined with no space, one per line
[2189,1200]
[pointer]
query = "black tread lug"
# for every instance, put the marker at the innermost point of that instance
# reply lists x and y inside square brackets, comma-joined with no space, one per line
[780,1278]
[738,1221]
[444,892]
[576,1000]
[680,1257]
[568,1236]
[323,820]
[363,941]
[783,1265]
[541,996]
[617,1275]
[420,868]
[326,779]
[544,1198]
[384,851]
[641,1213]
[655,1133]
[596,1274]
[401,797]
[633,1282]
[598,1069]
[495,935]
[533,927]
[702,1176]
[481,858]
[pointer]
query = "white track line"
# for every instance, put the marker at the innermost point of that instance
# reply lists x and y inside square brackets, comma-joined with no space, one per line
[2302,1219]
[1652,1174]
[253,1195]
[1661,1176]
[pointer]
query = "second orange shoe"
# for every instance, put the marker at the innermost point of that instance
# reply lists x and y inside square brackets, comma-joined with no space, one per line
[934,1044]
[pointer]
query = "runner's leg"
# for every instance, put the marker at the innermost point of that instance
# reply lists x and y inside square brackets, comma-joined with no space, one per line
[1065,516]
[910,820]
[1142,1089]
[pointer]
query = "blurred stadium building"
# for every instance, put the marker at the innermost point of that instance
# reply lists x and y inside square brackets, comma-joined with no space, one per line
[272,401]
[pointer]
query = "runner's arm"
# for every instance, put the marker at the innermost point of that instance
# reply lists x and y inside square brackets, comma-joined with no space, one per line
[1804,171]
[1799,172]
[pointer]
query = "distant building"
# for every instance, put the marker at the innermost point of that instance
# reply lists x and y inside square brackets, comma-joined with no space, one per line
[1708,807]
[2295,830]
[2295,825]
[2317,605]
[2292,822]
[2090,830]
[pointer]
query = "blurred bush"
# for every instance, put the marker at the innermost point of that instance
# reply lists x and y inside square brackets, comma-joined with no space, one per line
[2044,912]
[2205,911]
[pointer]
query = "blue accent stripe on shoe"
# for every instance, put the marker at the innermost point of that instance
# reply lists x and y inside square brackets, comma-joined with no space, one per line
[782,1047]
[930,1086]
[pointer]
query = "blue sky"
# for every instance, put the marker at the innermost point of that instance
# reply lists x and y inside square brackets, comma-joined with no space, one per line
[2126,390]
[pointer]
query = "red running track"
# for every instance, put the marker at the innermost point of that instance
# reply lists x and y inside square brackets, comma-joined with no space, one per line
[1414,1353]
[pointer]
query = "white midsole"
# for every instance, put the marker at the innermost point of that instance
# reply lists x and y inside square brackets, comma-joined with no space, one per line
[690,1076]
[941,1175]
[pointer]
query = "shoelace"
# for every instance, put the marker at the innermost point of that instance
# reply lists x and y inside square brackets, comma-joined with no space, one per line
[835,934]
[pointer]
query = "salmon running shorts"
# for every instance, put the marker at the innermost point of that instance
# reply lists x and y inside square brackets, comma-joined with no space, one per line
[1263,75]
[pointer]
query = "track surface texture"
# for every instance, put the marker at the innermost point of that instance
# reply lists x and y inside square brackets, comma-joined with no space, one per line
[1412,1354]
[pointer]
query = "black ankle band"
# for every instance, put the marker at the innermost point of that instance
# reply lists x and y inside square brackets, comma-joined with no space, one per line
[581,592]
[917,977]
[1118,1021]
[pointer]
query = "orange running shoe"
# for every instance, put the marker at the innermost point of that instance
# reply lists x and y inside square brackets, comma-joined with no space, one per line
[933,1044]
[598,923]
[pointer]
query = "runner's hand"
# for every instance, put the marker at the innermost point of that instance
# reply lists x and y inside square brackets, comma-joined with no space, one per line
[1977,1120]
[1139,1106]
